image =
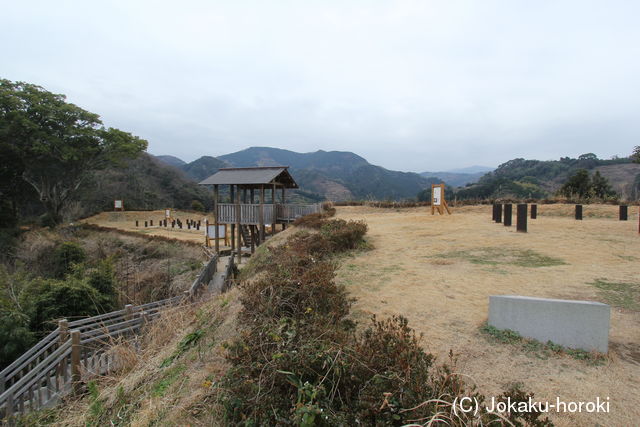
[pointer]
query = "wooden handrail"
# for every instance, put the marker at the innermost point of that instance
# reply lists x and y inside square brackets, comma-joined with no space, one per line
[59,355]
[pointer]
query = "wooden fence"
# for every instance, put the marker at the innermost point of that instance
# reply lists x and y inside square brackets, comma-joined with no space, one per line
[250,213]
[78,350]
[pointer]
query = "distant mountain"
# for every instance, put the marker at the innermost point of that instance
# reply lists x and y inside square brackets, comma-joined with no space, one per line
[471,169]
[523,178]
[455,179]
[203,167]
[171,160]
[334,175]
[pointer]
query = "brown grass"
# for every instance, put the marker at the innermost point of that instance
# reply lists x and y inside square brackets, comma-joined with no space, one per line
[187,399]
[127,221]
[439,271]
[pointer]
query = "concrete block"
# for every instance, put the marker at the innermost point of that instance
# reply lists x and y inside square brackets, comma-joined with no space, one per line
[573,324]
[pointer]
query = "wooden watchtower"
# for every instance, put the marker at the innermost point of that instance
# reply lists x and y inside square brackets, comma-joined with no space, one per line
[249,218]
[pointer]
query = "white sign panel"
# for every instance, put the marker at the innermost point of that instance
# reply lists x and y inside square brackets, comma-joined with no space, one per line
[167,213]
[118,204]
[211,230]
[437,196]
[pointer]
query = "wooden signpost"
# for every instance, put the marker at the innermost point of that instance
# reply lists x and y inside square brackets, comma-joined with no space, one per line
[210,233]
[438,201]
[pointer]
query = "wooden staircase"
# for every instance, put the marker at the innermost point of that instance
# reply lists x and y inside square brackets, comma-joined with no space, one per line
[249,235]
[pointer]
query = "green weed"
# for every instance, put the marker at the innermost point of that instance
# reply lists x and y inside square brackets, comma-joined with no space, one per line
[159,388]
[186,343]
[619,294]
[504,256]
[536,348]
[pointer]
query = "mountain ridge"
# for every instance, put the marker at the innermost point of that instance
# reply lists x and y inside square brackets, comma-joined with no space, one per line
[331,175]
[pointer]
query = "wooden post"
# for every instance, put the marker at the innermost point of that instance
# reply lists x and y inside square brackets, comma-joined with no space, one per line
[579,212]
[136,222]
[75,361]
[238,222]
[499,213]
[275,210]
[521,224]
[128,312]
[215,218]
[261,214]
[534,211]
[233,227]
[253,238]
[284,207]
[494,213]
[507,214]
[623,213]
[63,336]
[10,404]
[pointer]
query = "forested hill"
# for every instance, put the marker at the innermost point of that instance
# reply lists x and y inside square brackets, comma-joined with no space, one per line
[332,175]
[539,179]
[143,183]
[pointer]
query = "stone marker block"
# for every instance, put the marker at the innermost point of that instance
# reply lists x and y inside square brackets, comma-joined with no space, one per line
[574,324]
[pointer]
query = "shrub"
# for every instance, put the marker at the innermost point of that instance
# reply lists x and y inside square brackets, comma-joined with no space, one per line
[298,359]
[197,206]
[14,336]
[314,220]
[65,256]
[344,235]
[48,299]
[103,279]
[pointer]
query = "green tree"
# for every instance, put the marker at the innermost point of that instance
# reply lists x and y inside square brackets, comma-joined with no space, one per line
[600,186]
[577,185]
[45,300]
[65,256]
[635,156]
[15,337]
[58,144]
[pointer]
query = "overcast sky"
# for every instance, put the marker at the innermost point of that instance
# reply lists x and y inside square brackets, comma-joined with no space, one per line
[409,85]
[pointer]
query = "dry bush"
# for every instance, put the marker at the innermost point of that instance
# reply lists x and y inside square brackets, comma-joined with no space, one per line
[314,220]
[344,235]
[34,251]
[299,360]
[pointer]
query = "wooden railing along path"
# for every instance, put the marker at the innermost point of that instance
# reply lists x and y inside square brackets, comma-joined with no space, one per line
[250,213]
[78,350]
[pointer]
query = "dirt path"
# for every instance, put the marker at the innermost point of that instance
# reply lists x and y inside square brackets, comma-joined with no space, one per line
[440,271]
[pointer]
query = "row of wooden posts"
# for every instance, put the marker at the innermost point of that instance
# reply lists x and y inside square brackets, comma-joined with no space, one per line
[521,216]
[174,222]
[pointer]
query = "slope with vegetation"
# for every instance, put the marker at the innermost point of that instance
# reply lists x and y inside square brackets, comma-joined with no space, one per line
[76,272]
[282,349]
[520,178]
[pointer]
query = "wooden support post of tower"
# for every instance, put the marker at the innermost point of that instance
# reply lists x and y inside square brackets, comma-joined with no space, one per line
[232,226]
[438,201]
[275,209]
[261,216]
[215,218]
[238,227]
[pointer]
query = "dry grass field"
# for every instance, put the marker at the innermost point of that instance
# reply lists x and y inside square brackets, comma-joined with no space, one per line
[127,221]
[439,271]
